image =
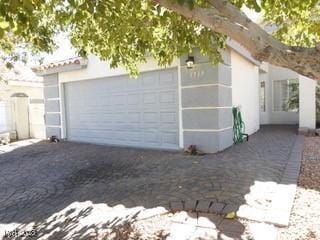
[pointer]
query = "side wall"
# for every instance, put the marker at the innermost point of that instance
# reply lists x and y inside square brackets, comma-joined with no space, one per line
[245,91]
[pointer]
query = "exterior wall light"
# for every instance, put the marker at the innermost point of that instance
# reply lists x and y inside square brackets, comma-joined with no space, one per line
[190,62]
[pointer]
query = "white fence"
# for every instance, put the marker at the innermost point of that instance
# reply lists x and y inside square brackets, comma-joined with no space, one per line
[6,116]
[28,121]
[36,119]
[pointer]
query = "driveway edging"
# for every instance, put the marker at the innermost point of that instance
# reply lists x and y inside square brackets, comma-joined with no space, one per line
[283,198]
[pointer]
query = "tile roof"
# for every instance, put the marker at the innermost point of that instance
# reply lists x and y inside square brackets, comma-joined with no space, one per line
[62,63]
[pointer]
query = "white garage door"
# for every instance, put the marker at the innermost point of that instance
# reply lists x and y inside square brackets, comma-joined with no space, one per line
[139,112]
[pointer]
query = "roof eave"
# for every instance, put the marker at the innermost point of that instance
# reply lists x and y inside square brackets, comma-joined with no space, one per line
[62,68]
[237,47]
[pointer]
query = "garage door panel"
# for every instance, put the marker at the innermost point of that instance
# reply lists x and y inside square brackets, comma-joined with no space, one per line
[149,80]
[134,117]
[118,100]
[168,117]
[119,117]
[169,138]
[118,110]
[149,98]
[133,84]
[167,97]
[150,117]
[133,99]
[152,137]
[167,79]
[117,85]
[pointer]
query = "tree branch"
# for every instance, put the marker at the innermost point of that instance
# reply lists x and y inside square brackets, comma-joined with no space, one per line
[223,17]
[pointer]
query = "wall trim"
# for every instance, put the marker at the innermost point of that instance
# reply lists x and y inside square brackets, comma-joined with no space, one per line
[53,126]
[181,140]
[53,112]
[50,86]
[62,110]
[52,99]
[207,130]
[205,108]
[207,85]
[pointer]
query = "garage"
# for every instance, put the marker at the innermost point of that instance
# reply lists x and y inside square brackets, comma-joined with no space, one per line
[120,110]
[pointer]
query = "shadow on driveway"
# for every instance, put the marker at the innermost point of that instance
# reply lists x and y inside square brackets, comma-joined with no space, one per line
[54,186]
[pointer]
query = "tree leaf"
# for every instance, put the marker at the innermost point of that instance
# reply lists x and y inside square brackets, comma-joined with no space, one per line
[4,24]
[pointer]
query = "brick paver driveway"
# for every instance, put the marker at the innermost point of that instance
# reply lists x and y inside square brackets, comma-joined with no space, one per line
[41,179]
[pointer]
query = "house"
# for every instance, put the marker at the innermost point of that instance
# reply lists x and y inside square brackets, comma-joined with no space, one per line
[21,104]
[169,108]
[277,85]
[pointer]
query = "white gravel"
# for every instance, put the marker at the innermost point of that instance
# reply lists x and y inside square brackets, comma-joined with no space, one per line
[305,216]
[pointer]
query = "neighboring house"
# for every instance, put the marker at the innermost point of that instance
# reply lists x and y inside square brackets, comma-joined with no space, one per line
[167,108]
[21,103]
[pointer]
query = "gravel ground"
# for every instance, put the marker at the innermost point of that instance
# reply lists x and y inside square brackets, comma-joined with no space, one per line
[156,228]
[305,216]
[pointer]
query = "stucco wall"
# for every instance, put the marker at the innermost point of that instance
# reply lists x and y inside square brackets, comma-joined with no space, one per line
[245,91]
[99,69]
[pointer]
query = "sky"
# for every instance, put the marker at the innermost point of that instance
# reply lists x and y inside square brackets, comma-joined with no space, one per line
[63,52]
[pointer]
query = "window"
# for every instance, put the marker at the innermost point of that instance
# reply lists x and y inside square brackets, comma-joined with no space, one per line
[286,95]
[262,96]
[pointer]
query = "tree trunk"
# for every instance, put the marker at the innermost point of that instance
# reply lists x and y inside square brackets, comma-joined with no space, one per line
[223,17]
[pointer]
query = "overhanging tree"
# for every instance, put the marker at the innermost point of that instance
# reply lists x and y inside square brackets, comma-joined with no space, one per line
[124,31]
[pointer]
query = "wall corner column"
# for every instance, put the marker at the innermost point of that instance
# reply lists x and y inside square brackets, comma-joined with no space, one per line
[206,103]
[52,100]
[307,102]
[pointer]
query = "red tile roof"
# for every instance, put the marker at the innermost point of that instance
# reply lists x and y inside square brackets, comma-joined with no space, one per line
[62,63]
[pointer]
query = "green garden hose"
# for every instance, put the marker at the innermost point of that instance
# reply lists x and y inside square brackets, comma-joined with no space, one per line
[238,126]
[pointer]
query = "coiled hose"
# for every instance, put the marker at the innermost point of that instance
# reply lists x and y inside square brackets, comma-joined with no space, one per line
[238,126]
